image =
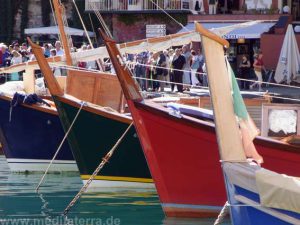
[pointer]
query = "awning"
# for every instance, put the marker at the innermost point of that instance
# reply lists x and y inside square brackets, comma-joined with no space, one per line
[55,30]
[251,32]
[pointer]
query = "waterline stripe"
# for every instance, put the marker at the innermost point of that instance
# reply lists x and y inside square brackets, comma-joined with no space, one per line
[114,178]
[20,160]
[173,205]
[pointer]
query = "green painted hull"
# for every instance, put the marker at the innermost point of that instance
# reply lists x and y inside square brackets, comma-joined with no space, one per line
[93,135]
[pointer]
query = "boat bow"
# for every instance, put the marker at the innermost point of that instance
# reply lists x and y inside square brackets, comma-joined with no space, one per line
[52,83]
[130,88]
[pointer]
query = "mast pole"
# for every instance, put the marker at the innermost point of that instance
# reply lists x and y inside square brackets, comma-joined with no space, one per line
[59,10]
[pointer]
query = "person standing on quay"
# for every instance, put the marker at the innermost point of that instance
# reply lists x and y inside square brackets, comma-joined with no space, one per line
[212,4]
[258,67]
[177,65]
[161,71]
[186,52]
[244,72]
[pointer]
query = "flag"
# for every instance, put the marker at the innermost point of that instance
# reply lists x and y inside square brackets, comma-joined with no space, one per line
[248,128]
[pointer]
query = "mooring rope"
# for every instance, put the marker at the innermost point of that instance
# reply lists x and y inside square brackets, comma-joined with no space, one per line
[97,170]
[59,147]
[224,212]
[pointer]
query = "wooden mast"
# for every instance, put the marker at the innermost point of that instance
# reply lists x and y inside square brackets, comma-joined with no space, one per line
[227,128]
[59,11]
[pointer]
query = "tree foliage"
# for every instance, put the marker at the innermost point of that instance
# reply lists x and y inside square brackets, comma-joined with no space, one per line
[46,10]
[8,10]
[24,17]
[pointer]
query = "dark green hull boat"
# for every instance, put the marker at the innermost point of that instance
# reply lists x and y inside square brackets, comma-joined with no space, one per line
[97,129]
[92,136]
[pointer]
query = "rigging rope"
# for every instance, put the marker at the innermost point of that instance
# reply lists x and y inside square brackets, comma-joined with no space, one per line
[86,33]
[261,94]
[83,25]
[54,19]
[93,28]
[59,147]
[205,74]
[97,170]
[164,11]
[66,24]
[172,69]
[100,18]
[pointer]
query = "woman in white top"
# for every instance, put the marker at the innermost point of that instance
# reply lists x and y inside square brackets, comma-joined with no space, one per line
[16,59]
[187,67]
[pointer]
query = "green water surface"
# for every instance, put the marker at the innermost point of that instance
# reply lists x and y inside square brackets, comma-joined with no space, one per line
[20,204]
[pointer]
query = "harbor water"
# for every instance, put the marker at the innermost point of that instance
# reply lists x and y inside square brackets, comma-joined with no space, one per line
[20,204]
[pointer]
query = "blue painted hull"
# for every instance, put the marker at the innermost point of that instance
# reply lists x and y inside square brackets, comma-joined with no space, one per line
[31,135]
[248,214]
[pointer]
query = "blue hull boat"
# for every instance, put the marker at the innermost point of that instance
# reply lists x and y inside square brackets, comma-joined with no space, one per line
[245,202]
[30,135]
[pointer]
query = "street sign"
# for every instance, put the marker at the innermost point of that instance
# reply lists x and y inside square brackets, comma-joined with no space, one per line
[155,30]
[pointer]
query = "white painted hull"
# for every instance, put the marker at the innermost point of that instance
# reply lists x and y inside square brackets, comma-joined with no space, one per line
[36,165]
[106,185]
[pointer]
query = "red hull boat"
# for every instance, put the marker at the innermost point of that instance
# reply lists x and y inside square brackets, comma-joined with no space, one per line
[182,152]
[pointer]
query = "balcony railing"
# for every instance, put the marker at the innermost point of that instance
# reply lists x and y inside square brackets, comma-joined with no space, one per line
[137,5]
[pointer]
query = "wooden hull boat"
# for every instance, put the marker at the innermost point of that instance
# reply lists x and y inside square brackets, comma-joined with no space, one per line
[182,152]
[246,195]
[30,137]
[98,128]
[93,135]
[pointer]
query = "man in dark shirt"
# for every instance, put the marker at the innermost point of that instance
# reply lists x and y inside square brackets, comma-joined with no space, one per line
[177,64]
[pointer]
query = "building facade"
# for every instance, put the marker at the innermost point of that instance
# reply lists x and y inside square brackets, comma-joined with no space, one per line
[196,6]
[133,16]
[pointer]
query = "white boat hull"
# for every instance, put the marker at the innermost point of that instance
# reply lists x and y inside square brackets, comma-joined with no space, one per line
[36,165]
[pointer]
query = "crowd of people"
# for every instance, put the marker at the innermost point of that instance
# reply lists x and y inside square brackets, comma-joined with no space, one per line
[185,68]
[181,67]
[16,53]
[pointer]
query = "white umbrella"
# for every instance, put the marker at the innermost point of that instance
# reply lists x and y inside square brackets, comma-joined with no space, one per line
[55,30]
[288,67]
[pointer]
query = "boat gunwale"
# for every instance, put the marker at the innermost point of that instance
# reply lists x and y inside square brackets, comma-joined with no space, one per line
[51,110]
[94,109]
[209,126]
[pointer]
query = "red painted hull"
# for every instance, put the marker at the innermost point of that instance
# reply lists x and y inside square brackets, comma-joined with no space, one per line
[182,154]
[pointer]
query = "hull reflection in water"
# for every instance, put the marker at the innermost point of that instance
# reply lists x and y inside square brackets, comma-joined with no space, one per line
[19,201]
